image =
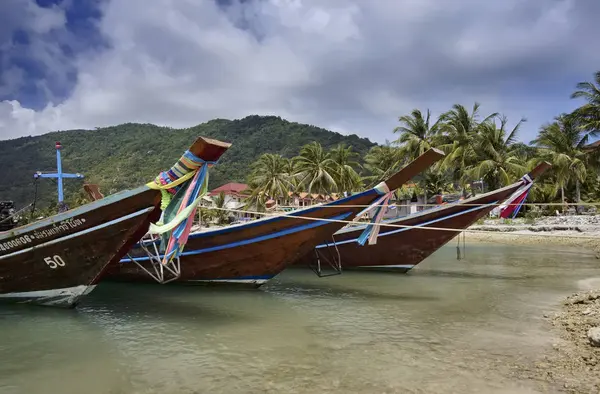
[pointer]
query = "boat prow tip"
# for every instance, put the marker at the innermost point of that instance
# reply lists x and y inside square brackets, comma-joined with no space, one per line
[414,168]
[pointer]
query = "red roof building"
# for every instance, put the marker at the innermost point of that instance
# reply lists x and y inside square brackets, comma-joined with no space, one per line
[230,189]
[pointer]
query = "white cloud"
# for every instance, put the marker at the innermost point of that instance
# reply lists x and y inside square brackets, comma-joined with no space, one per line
[349,65]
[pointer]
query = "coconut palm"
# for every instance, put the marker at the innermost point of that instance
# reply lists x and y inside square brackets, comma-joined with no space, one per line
[256,201]
[315,169]
[589,113]
[346,177]
[417,135]
[434,181]
[459,132]
[497,161]
[562,143]
[382,162]
[220,213]
[269,175]
[289,167]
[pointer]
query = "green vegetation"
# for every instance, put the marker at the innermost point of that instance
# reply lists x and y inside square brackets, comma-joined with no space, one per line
[129,155]
[481,154]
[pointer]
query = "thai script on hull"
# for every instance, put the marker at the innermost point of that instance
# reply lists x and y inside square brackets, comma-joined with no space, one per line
[56,229]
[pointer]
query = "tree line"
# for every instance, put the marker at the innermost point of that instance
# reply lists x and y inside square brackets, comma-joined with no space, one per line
[482,154]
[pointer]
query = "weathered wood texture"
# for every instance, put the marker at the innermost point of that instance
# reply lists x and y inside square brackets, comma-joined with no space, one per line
[265,247]
[401,249]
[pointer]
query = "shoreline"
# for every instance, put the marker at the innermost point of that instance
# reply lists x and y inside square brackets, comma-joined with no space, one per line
[531,238]
[582,232]
[572,364]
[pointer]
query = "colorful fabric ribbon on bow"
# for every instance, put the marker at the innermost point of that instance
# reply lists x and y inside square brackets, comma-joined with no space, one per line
[512,205]
[372,230]
[182,202]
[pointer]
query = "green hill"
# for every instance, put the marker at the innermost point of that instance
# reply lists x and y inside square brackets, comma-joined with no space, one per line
[128,155]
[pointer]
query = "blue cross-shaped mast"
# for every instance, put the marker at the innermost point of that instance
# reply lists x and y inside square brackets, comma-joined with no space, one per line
[59,175]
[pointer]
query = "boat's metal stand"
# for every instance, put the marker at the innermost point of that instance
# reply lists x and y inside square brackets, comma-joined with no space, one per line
[328,257]
[153,266]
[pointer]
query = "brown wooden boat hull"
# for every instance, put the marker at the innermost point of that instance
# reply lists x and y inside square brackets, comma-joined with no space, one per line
[248,254]
[254,252]
[57,263]
[57,260]
[401,249]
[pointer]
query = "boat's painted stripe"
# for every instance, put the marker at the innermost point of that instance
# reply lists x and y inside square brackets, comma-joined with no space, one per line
[67,295]
[407,266]
[261,238]
[61,217]
[410,228]
[80,233]
[236,281]
[468,202]
[249,277]
[300,212]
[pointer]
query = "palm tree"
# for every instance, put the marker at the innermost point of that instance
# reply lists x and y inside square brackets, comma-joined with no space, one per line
[589,113]
[269,175]
[562,143]
[205,215]
[459,132]
[221,213]
[289,168]
[346,177]
[497,159]
[434,182]
[256,200]
[315,169]
[416,133]
[382,162]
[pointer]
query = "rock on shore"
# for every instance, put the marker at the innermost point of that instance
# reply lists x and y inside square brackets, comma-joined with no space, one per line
[575,362]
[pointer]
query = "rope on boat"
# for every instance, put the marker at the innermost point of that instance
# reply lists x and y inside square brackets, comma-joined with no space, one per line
[421,227]
[549,204]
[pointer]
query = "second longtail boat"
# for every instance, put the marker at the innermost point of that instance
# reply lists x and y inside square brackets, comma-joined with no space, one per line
[399,248]
[254,252]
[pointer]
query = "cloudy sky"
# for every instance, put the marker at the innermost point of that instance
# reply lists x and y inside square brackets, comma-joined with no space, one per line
[352,66]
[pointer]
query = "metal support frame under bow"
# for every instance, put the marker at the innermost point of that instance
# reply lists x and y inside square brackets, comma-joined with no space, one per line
[162,273]
[333,259]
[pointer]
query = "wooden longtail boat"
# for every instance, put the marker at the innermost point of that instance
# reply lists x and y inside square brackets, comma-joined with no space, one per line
[399,249]
[57,260]
[254,252]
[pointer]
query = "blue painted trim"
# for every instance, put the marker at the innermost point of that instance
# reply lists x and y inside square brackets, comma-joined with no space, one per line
[260,222]
[282,233]
[80,233]
[407,266]
[256,277]
[408,228]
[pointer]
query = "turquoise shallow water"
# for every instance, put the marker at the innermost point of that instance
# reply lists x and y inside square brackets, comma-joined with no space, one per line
[448,327]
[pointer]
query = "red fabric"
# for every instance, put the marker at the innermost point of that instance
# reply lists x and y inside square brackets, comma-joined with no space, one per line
[506,212]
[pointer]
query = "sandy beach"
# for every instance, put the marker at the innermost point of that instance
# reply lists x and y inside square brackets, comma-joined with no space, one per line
[577,232]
